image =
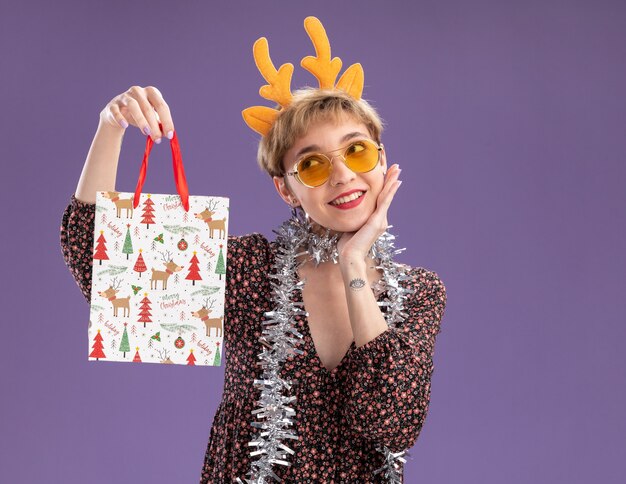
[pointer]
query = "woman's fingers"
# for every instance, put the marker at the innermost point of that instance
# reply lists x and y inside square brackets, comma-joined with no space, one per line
[385,197]
[116,116]
[155,98]
[142,107]
[393,174]
[137,117]
[146,115]
[390,187]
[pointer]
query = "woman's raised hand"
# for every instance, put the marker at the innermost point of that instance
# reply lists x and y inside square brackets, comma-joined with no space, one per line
[142,107]
[354,246]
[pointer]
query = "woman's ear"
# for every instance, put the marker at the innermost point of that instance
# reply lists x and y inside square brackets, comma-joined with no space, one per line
[284,191]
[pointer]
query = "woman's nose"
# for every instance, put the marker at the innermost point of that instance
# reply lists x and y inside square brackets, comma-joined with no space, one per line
[339,171]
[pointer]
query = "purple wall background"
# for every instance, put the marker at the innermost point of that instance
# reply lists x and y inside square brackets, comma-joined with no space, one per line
[508,120]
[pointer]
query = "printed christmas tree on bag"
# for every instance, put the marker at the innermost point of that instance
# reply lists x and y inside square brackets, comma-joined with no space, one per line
[191,360]
[101,250]
[137,358]
[220,267]
[144,310]
[97,352]
[128,244]
[140,265]
[194,270]
[218,358]
[124,345]
[148,212]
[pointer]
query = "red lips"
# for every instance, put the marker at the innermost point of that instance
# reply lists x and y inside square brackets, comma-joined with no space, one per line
[345,194]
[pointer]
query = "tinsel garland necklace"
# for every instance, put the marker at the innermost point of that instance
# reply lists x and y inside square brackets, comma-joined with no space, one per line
[296,237]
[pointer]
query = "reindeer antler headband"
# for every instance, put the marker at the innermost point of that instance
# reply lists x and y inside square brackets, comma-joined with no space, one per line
[322,66]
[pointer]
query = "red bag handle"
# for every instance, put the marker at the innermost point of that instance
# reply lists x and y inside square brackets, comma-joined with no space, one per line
[177,164]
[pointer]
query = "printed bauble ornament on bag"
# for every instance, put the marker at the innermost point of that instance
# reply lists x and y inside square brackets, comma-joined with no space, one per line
[182,230]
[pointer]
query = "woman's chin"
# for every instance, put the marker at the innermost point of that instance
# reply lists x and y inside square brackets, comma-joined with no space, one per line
[341,221]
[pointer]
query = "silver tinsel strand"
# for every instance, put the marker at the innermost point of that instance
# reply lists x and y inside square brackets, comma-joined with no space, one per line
[393,464]
[295,237]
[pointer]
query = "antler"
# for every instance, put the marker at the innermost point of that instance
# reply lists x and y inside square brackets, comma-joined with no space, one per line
[325,69]
[279,80]
[352,81]
[261,118]
[162,354]
[167,257]
[212,205]
[205,303]
[321,66]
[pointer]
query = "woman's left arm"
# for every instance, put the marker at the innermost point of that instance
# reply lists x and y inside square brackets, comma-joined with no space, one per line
[353,247]
[388,387]
[389,371]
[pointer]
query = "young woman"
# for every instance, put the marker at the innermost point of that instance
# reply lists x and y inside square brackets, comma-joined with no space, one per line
[360,378]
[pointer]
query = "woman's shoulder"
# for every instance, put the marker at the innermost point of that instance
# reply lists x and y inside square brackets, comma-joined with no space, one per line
[248,242]
[420,278]
[427,300]
[250,259]
[253,247]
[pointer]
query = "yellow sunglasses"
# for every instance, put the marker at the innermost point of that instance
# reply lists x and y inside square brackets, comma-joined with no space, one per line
[313,169]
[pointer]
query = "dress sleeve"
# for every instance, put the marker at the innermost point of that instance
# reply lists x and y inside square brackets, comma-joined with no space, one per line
[247,267]
[77,226]
[246,285]
[389,377]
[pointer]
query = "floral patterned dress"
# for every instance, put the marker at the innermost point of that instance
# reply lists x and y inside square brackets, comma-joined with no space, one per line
[378,394]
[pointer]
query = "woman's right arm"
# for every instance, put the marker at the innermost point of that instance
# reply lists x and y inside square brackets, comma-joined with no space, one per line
[139,107]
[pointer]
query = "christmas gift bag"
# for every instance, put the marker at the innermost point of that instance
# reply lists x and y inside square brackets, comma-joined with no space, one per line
[158,278]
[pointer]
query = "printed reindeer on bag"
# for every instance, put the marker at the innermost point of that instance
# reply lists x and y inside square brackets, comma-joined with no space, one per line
[121,203]
[163,276]
[207,216]
[203,314]
[121,302]
[165,358]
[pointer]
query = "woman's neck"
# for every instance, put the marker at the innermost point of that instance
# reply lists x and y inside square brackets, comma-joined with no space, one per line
[320,230]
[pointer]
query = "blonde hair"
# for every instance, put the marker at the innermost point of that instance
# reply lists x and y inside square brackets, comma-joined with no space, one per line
[308,106]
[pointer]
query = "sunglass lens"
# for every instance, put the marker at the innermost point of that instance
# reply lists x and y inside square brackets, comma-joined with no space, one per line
[313,170]
[362,156]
